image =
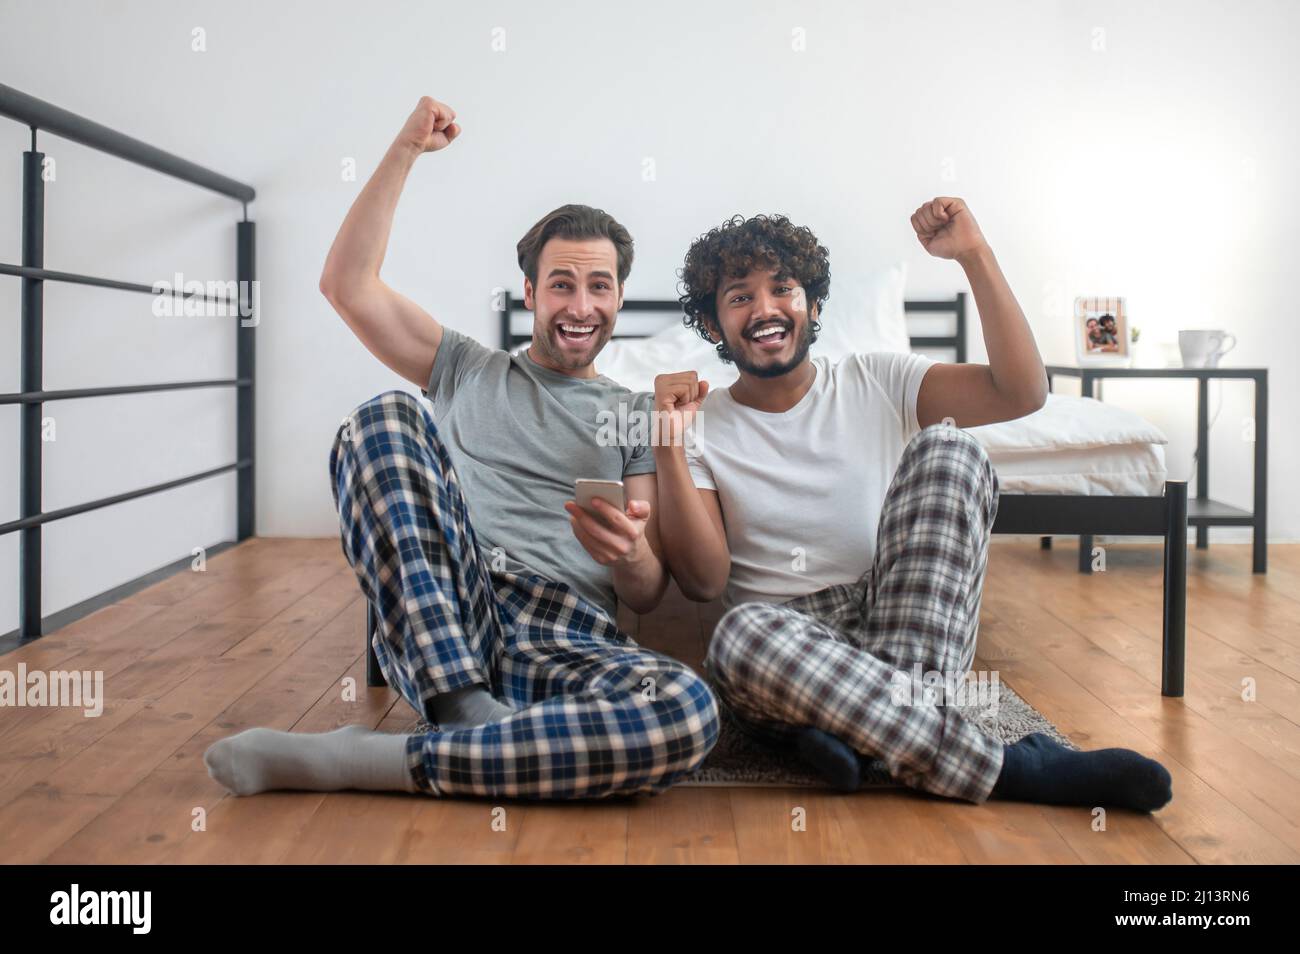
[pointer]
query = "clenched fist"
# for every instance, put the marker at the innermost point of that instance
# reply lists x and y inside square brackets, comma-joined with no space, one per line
[431,127]
[946,228]
[677,397]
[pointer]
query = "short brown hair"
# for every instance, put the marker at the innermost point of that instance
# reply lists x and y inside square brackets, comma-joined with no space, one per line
[575,222]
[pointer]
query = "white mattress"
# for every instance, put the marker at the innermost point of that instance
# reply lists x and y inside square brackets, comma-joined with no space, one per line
[1077,446]
[1121,469]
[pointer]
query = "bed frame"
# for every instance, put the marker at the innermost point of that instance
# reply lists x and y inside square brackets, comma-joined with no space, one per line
[1039,514]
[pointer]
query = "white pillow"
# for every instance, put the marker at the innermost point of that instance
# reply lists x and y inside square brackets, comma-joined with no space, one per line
[1069,422]
[864,313]
[634,362]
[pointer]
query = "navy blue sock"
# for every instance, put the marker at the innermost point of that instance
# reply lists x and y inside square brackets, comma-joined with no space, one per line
[831,757]
[1040,769]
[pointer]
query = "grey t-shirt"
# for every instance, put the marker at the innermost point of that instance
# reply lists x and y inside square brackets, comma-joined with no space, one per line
[519,435]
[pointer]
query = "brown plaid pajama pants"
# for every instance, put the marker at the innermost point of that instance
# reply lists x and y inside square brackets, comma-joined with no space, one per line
[828,659]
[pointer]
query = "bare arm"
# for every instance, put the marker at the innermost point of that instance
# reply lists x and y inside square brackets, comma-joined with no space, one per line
[393,328]
[640,582]
[691,528]
[1014,382]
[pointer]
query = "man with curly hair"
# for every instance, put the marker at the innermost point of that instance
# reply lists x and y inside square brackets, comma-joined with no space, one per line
[844,516]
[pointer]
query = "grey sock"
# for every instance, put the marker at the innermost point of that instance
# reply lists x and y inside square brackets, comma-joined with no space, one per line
[468,707]
[259,760]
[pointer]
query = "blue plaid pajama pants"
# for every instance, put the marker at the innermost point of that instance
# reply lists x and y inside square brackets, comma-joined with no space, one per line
[829,659]
[596,715]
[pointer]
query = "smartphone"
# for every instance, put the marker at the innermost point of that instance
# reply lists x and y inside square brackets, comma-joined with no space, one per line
[611,491]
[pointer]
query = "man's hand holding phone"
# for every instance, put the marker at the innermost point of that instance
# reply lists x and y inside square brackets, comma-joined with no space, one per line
[613,534]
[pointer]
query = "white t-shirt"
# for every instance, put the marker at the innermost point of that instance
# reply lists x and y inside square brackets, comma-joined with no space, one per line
[801,491]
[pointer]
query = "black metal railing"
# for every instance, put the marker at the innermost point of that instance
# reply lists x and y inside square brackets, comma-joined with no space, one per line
[42,116]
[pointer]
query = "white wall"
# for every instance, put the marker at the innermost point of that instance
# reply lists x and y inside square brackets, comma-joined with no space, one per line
[1133,148]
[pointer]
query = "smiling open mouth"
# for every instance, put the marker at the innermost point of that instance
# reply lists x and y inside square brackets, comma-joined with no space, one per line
[577,333]
[770,336]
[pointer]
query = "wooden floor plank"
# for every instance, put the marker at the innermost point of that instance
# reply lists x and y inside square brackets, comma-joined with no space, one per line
[460,831]
[143,825]
[182,723]
[144,658]
[330,711]
[1211,727]
[60,733]
[42,818]
[810,826]
[356,828]
[1114,838]
[288,690]
[367,706]
[594,833]
[1200,819]
[257,830]
[1267,721]
[1008,833]
[682,826]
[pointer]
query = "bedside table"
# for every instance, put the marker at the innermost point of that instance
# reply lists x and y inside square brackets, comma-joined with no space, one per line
[1202,512]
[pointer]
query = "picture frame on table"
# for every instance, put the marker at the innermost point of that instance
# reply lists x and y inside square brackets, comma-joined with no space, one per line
[1101,334]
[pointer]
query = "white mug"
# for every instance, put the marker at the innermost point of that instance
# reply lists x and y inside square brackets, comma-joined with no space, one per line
[1203,349]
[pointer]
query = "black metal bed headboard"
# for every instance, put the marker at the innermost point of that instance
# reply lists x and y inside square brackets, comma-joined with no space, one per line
[955,306]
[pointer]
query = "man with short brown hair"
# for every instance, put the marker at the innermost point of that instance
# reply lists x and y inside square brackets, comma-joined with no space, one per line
[495,593]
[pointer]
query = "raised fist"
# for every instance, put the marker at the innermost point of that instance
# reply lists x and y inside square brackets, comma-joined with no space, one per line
[677,397]
[946,229]
[431,127]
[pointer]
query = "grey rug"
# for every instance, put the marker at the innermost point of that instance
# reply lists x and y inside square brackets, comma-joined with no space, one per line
[739,760]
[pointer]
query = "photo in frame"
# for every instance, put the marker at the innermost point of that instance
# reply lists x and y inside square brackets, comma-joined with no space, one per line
[1101,330]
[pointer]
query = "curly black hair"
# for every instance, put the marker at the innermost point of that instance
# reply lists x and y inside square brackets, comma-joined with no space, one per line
[737,247]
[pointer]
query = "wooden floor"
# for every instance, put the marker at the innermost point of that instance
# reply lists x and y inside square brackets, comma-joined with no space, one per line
[269,633]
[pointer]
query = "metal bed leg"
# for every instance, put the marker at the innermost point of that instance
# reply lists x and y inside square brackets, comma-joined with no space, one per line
[374,675]
[1173,652]
[1259,562]
[1202,455]
[1089,386]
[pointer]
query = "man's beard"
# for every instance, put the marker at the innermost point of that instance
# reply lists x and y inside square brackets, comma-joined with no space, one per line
[805,340]
[555,351]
